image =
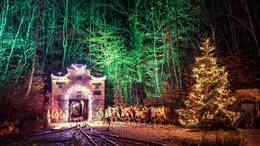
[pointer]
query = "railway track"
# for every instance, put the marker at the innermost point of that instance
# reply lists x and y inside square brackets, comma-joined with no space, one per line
[92,137]
[84,135]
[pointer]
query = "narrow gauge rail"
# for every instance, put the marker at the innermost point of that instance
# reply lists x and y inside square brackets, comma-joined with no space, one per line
[118,139]
[85,135]
[93,137]
[79,134]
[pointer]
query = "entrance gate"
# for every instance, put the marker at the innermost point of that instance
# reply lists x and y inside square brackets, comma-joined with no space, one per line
[78,109]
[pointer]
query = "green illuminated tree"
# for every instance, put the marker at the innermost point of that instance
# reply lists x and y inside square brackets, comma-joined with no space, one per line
[149,38]
[157,28]
[16,46]
[137,39]
[50,19]
[106,50]
[208,103]
[35,49]
[64,33]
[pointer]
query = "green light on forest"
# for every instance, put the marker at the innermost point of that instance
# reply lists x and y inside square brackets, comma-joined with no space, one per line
[137,43]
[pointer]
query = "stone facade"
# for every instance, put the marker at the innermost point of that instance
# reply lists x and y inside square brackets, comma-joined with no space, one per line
[77,95]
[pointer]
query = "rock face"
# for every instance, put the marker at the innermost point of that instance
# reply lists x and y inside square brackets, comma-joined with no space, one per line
[77,95]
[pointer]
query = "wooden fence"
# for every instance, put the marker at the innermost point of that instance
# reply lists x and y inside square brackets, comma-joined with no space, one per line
[251,108]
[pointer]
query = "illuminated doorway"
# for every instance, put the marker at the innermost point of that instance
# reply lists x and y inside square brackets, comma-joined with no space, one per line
[78,110]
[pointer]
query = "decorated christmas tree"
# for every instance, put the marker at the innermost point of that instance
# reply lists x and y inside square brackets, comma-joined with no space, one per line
[208,102]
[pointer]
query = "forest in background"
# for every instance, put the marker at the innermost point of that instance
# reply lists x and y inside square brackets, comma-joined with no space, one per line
[135,43]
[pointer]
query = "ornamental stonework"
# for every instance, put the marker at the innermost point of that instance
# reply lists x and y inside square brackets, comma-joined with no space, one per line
[77,95]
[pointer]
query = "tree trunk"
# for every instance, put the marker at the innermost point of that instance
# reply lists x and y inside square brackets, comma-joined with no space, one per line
[36,37]
[64,35]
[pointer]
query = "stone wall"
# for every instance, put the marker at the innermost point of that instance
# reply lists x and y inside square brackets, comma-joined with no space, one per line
[77,84]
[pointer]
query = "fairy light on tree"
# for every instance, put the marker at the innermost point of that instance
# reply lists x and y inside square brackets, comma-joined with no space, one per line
[208,101]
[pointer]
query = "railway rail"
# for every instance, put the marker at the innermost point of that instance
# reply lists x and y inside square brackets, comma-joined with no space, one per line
[84,135]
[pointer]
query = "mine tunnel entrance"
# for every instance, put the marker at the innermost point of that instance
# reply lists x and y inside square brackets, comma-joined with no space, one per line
[78,110]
